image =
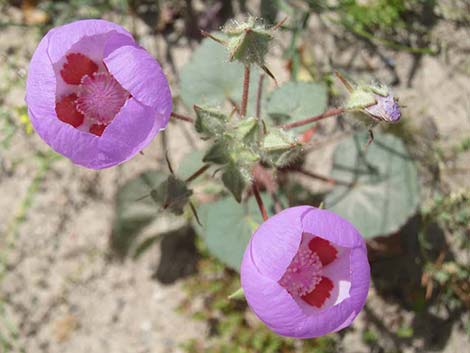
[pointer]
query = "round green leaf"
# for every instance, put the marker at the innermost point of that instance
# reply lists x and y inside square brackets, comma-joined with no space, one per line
[385,191]
[209,79]
[227,227]
[134,210]
[295,101]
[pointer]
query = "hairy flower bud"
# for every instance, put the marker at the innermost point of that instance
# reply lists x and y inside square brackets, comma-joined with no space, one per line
[377,101]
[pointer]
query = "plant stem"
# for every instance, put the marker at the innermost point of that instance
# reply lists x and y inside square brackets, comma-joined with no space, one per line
[246,87]
[327,114]
[326,179]
[259,201]
[258,95]
[182,117]
[197,173]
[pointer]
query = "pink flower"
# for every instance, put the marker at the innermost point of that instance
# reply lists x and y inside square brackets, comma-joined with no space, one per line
[94,95]
[305,272]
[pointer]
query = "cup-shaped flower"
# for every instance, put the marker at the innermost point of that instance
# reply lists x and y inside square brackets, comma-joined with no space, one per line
[305,272]
[94,95]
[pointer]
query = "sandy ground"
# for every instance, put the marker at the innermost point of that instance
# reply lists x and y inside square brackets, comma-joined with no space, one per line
[60,290]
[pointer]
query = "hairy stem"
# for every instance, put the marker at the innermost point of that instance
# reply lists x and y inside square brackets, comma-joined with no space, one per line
[182,117]
[326,179]
[259,201]
[327,114]
[246,87]
[197,173]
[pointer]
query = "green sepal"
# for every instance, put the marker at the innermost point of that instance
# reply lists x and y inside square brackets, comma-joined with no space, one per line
[218,153]
[235,179]
[173,194]
[238,294]
[380,89]
[210,122]
[248,42]
[280,148]
[247,130]
[364,96]
[360,98]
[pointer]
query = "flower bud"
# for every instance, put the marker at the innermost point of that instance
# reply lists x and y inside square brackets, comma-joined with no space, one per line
[377,101]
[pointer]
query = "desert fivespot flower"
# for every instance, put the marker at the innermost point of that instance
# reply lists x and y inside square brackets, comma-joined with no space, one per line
[94,95]
[305,272]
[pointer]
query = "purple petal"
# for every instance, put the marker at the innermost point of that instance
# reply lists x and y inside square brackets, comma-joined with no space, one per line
[282,314]
[41,83]
[140,74]
[386,109]
[131,130]
[270,251]
[330,226]
[64,37]
[276,242]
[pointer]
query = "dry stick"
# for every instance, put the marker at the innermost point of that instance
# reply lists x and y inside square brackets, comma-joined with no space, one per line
[327,114]
[326,179]
[259,201]
[246,87]
[197,173]
[182,117]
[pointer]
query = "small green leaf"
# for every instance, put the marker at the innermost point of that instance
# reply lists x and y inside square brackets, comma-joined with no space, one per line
[234,180]
[210,122]
[296,101]
[385,191]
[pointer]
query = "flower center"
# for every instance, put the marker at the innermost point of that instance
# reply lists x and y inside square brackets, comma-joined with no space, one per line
[100,97]
[303,278]
[303,273]
[93,97]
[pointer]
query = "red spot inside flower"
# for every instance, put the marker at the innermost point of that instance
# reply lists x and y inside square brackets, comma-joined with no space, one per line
[76,67]
[323,248]
[320,293]
[97,129]
[67,111]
